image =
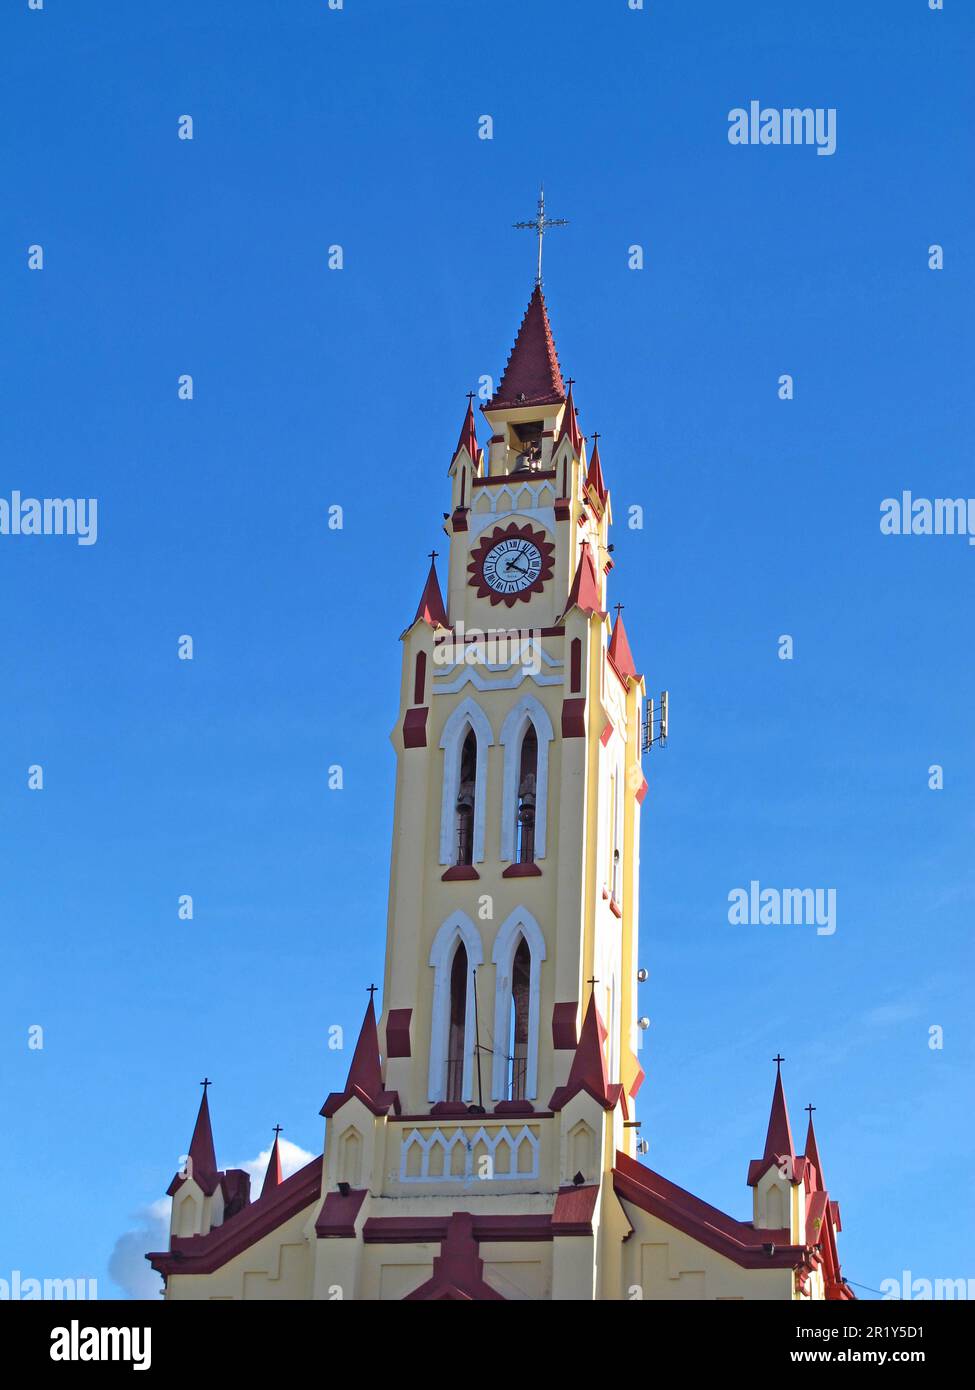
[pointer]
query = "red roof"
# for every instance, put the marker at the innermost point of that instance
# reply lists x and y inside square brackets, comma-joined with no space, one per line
[204,1254]
[431,606]
[747,1245]
[619,649]
[532,376]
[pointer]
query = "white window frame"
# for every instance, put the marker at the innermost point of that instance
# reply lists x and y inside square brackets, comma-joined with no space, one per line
[518,924]
[457,927]
[467,715]
[528,711]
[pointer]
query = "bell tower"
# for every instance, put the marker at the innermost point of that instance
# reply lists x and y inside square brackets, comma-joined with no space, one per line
[514,881]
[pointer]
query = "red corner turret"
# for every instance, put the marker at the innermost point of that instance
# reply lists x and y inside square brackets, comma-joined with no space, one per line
[201,1161]
[589,1072]
[570,425]
[585,593]
[431,607]
[468,435]
[365,1078]
[815,1180]
[620,656]
[532,376]
[595,481]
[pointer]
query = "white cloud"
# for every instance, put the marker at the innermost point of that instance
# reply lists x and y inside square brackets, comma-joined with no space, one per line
[127,1265]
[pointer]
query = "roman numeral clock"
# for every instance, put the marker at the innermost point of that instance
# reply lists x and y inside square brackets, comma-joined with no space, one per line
[511,564]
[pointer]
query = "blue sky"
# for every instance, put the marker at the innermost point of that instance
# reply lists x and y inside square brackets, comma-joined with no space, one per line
[313,388]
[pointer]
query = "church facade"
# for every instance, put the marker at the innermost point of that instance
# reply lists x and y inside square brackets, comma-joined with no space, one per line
[486,1144]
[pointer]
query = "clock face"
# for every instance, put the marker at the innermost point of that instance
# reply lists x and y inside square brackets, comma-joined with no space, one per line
[511,564]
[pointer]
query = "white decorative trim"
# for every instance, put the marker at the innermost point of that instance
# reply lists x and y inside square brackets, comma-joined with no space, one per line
[527,711]
[438,1139]
[457,927]
[468,714]
[543,515]
[518,924]
[458,673]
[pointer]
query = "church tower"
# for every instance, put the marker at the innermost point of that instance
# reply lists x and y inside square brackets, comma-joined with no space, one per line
[485,1144]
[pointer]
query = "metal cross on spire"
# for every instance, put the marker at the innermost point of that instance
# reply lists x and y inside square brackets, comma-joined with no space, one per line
[540,225]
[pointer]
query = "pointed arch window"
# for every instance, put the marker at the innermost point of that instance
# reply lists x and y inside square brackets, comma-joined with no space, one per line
[465,740]
[518,1040]
[455,955]
[466,792]
[525,735]
[527,783]
[456,1039]
[519,951]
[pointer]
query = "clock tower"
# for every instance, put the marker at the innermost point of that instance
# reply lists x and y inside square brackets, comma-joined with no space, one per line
[513,899]
[485,1145]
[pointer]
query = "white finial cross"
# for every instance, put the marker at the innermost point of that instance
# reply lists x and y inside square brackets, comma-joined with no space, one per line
[540,225]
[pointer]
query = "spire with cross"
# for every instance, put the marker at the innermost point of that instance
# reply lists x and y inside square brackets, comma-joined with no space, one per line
[540,225]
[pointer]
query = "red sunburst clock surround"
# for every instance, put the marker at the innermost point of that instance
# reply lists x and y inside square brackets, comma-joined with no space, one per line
[511,563]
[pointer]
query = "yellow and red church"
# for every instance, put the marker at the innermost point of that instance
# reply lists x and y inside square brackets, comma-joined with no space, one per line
[485,1145]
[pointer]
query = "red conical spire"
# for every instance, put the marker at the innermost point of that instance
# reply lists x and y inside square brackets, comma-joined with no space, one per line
[585,592]
[203,1156]
[201,1161]
[532,376]
[570,425]
[594,478]
[273,1177]
[365,1078]
[780,1151]
[812,1153]
[619,648]
[778,1140]
[589,1071]
[431,607]
[468,433]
